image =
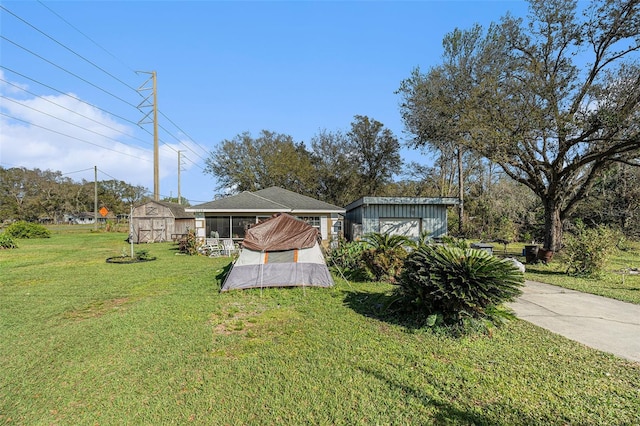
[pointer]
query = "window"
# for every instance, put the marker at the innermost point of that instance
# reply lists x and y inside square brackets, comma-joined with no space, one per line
[219,224]
[311,220]
[240,224]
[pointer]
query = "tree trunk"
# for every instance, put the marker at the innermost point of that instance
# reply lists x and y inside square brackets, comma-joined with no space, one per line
[460,193]
[552,226]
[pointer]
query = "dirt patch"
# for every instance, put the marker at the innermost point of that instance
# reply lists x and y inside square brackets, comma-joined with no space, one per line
[233,321]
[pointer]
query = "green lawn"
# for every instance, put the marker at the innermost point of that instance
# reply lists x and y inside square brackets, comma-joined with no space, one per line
[615,281]
[86,342]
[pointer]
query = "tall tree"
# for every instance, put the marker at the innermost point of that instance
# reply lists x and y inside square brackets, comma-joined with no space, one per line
[272,159]
[337,173]
[554,101]
[376,152]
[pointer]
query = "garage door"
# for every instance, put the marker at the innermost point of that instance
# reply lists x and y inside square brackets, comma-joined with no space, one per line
[407,227]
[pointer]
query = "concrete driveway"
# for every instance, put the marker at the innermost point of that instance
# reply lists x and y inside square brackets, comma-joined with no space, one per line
[598,322]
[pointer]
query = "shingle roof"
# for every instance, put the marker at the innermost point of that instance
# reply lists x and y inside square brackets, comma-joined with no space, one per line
[295,200]
[272,199]
[178,210]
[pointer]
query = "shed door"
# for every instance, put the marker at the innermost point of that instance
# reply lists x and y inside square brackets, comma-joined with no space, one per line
[407,227]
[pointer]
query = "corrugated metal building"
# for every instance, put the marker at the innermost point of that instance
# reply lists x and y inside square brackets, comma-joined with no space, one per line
[407,216]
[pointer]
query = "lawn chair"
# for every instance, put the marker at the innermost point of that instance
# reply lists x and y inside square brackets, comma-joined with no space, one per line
[229,248]
[212,247]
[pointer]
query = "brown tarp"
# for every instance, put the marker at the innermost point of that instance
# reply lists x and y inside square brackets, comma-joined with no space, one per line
[281,232]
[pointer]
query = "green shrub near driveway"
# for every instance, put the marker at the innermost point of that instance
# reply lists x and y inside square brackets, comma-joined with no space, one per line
[588,249]
[455,284]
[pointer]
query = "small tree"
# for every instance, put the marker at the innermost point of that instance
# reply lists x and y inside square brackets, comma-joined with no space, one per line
[588,249]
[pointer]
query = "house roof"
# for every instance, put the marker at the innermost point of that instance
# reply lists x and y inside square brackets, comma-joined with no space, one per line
[269,200]
[177,210]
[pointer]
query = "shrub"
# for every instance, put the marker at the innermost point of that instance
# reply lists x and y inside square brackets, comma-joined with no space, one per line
[384,255]
[22,229]
[449,285]
[588,249]
[143,254]
[189,244]
[6,242]
[347,260]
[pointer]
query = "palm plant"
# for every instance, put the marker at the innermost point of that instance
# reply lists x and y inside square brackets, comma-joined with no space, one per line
[384,255]
[457,283]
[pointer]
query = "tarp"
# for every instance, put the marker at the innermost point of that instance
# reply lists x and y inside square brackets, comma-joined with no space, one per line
[280,252]
[281,232]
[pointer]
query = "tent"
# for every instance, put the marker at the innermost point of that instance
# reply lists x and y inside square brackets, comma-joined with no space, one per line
[281,251]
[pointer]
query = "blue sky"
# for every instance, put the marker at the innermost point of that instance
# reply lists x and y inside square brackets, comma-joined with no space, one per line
[68,77]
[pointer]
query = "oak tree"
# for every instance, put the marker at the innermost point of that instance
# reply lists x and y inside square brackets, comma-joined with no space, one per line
[554,101]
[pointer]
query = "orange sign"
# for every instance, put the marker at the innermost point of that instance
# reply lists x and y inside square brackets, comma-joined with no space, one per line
[103,211]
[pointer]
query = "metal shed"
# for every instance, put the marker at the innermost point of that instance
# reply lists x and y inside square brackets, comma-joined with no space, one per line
[157,221]
[407,216]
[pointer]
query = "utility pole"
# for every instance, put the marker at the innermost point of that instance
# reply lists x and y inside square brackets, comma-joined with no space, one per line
[95,198]
[179,168]
[152,101]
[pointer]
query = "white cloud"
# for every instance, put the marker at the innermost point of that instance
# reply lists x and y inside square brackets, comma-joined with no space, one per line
[62,133]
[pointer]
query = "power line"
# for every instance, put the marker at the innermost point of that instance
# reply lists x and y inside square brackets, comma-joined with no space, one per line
[84,35]
[60,119]
[77,171]
[71,111]
[93,85]
[66,94]
[186,134]
[67,71]
[72,137]
[67,48]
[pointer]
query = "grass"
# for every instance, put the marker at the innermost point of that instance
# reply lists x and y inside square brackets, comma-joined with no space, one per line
[86,342]
[615,281]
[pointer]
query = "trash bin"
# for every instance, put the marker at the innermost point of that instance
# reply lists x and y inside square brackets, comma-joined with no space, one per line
[531,253]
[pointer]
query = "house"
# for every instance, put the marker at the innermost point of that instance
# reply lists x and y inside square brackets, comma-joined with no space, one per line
[157,221]
[230,217]
[409,216]
[84,218]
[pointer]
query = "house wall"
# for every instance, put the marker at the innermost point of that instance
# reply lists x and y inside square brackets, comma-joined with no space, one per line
[366,218]
[326,223]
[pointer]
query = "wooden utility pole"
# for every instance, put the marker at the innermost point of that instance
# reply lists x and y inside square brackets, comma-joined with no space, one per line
[152,101]
[95,198]
[179,168]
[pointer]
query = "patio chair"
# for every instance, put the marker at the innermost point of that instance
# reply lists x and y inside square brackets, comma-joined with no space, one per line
[229,248]
[212,247]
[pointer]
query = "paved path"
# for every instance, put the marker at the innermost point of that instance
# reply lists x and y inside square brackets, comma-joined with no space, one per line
[598,322]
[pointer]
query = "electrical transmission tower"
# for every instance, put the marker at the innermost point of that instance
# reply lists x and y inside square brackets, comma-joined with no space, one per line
[151,101]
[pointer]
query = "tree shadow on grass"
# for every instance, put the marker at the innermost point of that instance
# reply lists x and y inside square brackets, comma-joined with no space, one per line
[383,306]
[447,413]
[221,274]
[548,272]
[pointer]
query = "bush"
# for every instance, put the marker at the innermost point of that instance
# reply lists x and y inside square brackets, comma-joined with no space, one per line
[6,242]
[384,255]
[347,260]
[189,244]
[588,249]
[449,285]
[22,229]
